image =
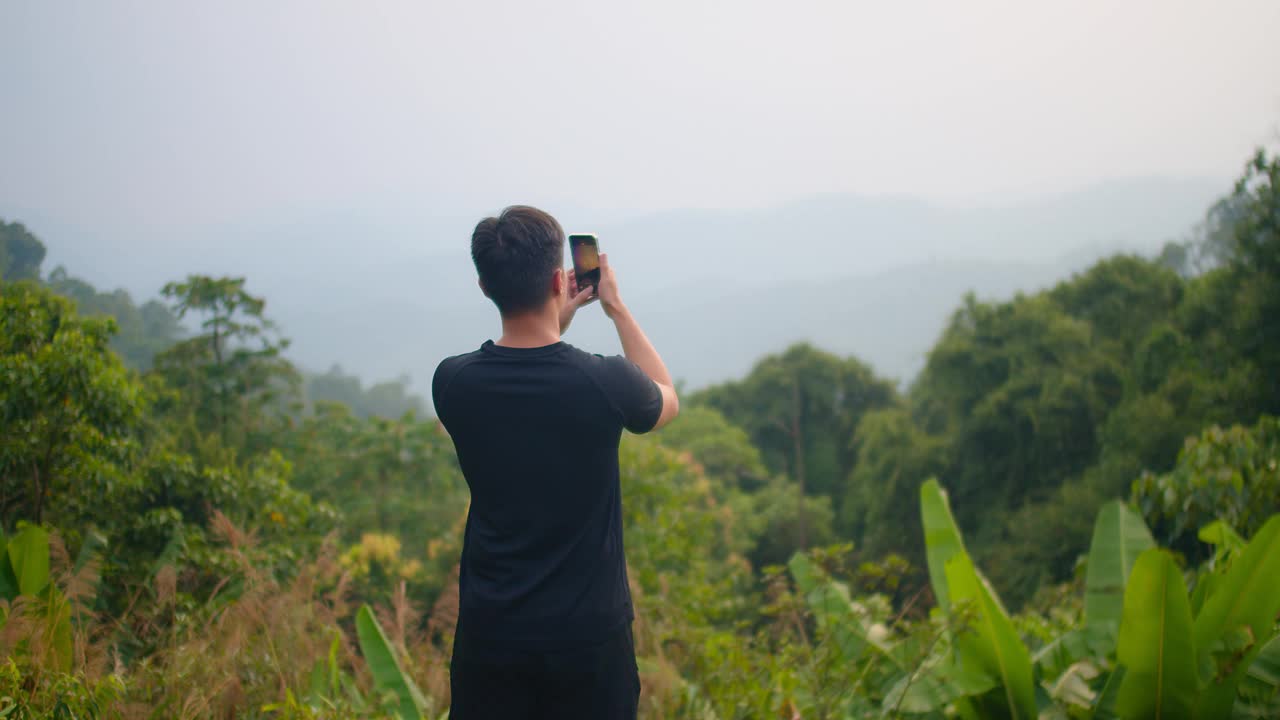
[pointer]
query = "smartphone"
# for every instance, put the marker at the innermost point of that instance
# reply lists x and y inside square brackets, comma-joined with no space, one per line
[586,260]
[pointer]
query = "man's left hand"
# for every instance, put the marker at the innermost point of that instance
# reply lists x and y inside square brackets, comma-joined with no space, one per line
[577,298]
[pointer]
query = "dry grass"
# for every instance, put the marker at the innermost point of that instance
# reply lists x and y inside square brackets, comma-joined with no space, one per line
[228,657]
[251,648]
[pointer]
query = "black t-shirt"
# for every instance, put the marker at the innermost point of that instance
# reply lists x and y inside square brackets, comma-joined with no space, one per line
[537,431]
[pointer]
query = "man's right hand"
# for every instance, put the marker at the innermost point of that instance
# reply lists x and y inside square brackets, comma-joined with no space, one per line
[607,289]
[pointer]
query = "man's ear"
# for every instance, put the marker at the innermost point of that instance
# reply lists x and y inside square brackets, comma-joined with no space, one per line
[558,281]
[481,284]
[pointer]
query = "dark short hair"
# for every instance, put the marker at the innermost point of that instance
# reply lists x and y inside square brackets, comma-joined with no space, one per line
[516,254]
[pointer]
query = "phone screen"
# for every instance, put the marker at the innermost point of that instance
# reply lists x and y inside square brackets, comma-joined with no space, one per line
[586,259]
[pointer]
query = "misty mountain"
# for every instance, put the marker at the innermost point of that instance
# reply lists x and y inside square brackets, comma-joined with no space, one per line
[715,289]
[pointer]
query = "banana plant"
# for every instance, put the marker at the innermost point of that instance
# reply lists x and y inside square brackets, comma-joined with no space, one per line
[985,645]
[331,685]
[388,676]
[24,572]
[1076,669]
[845,620]
[1156,645]
[1215,658]
[1238,619]
[1258,696]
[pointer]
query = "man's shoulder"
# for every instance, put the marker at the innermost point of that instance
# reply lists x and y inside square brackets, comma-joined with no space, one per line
[449,367]
[592,360]
[454,362]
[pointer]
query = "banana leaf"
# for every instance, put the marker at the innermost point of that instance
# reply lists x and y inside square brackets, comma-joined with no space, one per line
[1119,536]
[941,538]
[1105,707]
[1245,601]
[991,642]
[1258,696]
[388,675]
[29,558]
[1156,644]
[8,580]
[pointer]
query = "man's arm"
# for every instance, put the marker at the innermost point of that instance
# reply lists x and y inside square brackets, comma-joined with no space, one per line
[635,345]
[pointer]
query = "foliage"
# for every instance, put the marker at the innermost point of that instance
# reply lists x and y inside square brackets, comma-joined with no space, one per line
[1119,537]
[1175,655]
[143,330]
[894,457]
[1156,646]
[391,476]
[65,399]
[231,376]
[1231,475]
[987,651]
[388,676]
[21,252]
[800,408]
[390,399]
[723,449]
[58,695]
[225,527]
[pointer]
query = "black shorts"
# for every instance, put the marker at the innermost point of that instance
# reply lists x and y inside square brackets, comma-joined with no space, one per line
[600,682]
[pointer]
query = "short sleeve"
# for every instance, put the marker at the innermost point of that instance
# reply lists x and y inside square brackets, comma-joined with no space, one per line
[439,383]
[638,398]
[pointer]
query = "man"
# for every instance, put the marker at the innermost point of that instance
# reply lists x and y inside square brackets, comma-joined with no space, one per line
[544,620]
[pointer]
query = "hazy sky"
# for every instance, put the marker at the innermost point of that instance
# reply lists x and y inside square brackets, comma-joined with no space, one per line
[171,114]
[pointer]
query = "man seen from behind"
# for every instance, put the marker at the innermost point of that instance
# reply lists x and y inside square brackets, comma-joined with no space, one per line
[544,620]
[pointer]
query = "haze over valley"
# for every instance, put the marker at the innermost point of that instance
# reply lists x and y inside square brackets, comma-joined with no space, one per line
[875,277]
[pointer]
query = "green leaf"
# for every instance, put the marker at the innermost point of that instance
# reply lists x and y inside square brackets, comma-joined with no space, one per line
[335,670]
[94,542]
[1221,534]
[803,572]
[845,621]
[317,689]
[932,686]
[55,629]
[1105,707]
[1081,643]
[1206,584]
[1247,596]
[1156,645]
[941,538]
[385,667]
[1119,536]
[1258,695]
[991,642]
[8,580]
[29,557]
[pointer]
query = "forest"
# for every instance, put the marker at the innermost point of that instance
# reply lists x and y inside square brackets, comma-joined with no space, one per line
[1072,512]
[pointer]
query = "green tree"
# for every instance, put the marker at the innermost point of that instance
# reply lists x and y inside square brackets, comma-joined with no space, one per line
[232,377]
[21,252]
[1256,262]
[389,399]
[1229,474]
[894,457]
[66,402]
[143,330]
[724,450]
[1121,298]
[801,408]
[1020,389]
[397,477]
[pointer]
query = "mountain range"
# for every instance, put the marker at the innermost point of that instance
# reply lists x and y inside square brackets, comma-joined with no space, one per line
[715,289]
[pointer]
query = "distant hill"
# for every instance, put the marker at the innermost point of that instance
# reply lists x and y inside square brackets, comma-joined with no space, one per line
[716,289]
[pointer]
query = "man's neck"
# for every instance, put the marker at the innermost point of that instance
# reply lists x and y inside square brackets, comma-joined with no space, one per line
[528,330]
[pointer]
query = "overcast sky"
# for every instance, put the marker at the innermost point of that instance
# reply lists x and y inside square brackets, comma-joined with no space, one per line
[180,113]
